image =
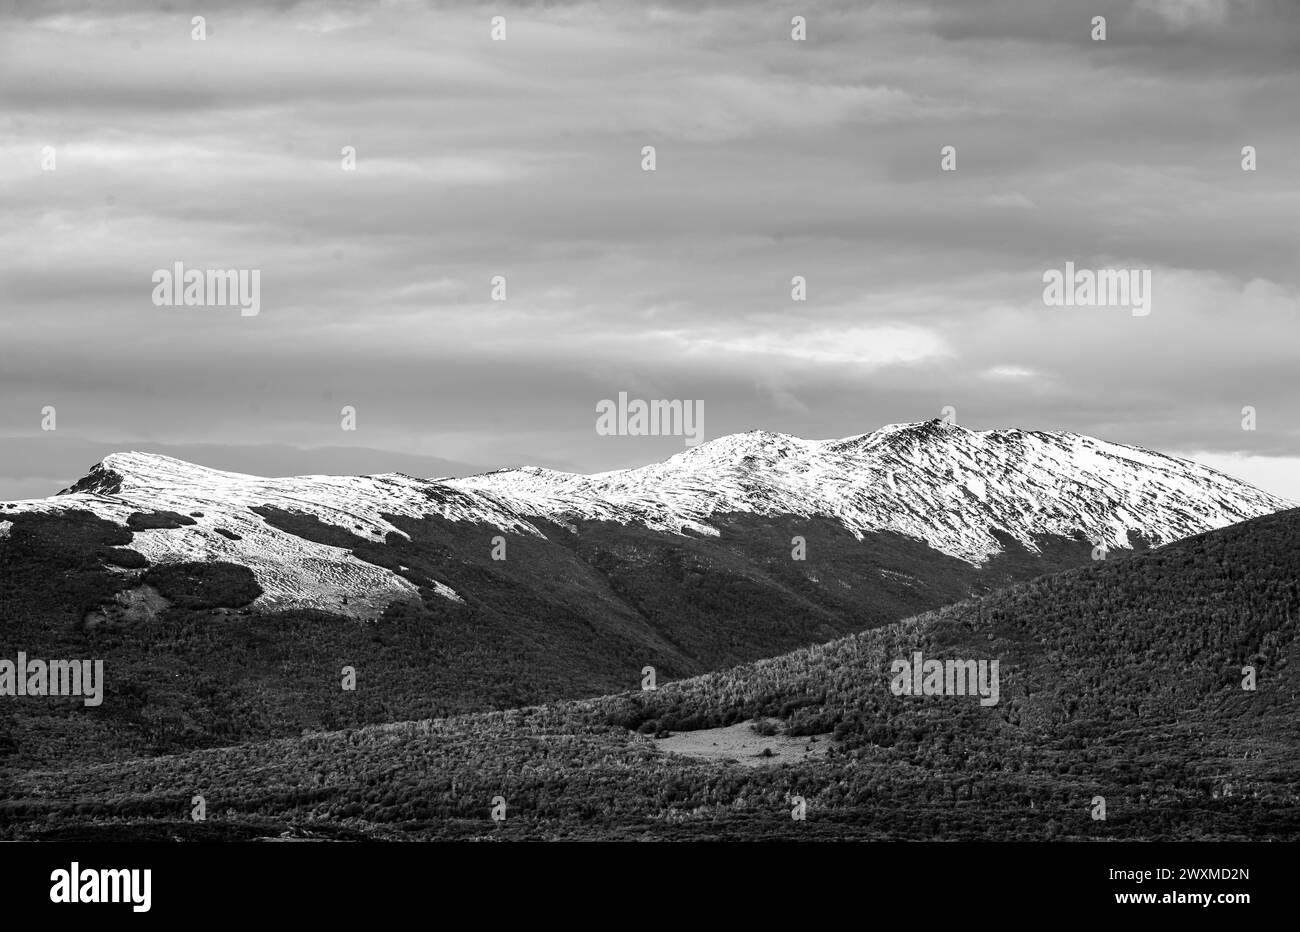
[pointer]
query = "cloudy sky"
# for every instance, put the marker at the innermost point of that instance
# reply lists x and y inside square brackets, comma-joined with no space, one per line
[522,158]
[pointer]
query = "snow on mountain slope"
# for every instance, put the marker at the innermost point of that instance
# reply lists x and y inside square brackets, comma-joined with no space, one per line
[293,572]
[944,485]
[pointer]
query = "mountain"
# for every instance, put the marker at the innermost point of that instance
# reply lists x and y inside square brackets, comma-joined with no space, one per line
[965,494]
[226,605]
[962,492]
[1122,685]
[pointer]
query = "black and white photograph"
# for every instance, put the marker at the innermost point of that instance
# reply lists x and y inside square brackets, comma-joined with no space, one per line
[562,425]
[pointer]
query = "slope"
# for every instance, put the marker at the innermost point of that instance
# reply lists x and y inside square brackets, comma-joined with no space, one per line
[1121,681]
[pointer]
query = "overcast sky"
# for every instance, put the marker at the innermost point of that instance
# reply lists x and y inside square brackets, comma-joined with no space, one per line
[522,158]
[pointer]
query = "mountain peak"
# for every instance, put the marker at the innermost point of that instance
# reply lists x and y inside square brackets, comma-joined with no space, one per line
[134,469]
[933,428]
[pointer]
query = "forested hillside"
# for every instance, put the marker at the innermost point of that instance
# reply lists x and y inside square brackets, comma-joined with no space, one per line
[1120,681]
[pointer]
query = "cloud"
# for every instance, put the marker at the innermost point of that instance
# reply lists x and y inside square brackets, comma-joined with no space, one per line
[522,159]
[871,347]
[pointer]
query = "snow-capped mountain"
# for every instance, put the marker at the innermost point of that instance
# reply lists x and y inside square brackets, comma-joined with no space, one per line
[953,489]
[939,483]
[220,524]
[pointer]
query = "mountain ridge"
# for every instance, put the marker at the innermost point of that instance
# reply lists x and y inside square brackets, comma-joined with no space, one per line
[948,458]
[963,493]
